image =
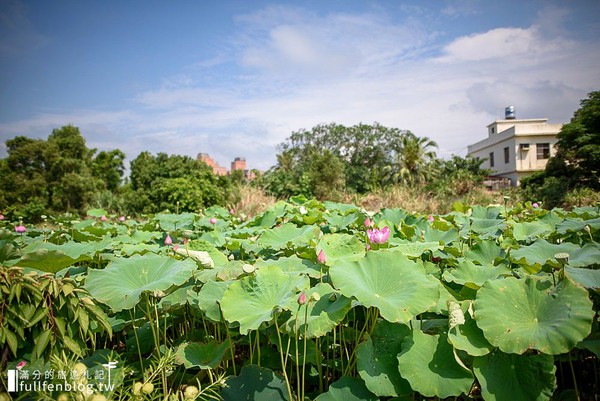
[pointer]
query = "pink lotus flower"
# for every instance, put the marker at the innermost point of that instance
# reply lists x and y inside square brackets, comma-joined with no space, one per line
[213,220]
[368,223]
[168,240]
[302,299]
[377,236]
[1,217]
[20,229]
[535,205]
[321,257]
[231,211]
[21,364]
[175,247]
[103,218]
[430,218]
[122,218]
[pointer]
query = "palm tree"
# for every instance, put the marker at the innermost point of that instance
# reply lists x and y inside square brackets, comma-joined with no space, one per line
[414,156]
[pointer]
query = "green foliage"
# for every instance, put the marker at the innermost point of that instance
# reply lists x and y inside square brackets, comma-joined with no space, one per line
[330,159]
[42,314]
[176,183]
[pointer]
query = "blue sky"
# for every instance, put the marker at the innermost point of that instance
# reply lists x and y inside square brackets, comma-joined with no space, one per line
[235,78]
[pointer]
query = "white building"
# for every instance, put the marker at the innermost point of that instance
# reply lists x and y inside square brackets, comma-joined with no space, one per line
[516,148]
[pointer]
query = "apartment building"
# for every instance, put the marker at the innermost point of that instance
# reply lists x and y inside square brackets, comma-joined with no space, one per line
[516,148]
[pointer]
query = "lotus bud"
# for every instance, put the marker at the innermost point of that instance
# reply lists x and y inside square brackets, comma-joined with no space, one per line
[103,218]
[122,219]
[430,218]
[21,365]
[20,229]
[168,240]
[1,217]
[302,298]
[535,205]
[368,222]
[175,247]
[321,256]
[213,220]
[231,211]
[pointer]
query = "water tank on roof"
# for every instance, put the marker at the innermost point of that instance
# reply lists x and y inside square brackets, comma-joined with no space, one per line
[509,113]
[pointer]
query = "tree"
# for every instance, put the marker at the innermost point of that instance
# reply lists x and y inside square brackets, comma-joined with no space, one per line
[578,145]
[415,154]
[109,167]
[364,151]
[164,182]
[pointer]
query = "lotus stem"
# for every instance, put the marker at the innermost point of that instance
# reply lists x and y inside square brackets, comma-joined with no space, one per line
[283,361]
[574,377]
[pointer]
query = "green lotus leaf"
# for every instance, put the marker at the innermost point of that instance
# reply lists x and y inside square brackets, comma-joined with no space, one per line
[340,222]
[122,282]
[199,245]
[389,281]
[433,234]
[414,249]
[587,255]
[203,355]
[540,253]
[286,235]
[340,247]
[342,208]
[252,299]
[469,273]
[587,278]
[97,212]
[347,389]
[469,338]
[515,377]
[429,365]
[485,252]
[488,228]
[256,384]
[172,222]
[292,266]
[132,249]
[517,315]
[209,297]
[51,258]
[576,225]
[377,362]
[530,229]
[322,315]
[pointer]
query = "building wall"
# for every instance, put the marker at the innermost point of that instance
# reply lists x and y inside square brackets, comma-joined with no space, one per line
[516,135]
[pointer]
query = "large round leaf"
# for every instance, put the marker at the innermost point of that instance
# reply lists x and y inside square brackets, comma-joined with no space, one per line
[203,355]
[322,315]
[429,365]
[389,281]
[251,300]
[517,315]
[340,247]
[208,298]
[377,362]
[122,282]
[255,383]
[347,389]
[472,275]
[288,235]
[534,256]
[515,377]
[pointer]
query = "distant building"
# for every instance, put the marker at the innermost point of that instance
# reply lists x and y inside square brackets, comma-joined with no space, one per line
[239,163]
[514,148]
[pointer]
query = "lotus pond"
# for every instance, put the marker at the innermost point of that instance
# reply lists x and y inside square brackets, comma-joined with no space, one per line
[306,301]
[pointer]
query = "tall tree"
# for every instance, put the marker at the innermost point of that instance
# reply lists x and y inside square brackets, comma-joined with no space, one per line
[415,154]
[109,167]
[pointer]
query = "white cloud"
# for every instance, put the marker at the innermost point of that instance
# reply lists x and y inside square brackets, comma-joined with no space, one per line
[298,69]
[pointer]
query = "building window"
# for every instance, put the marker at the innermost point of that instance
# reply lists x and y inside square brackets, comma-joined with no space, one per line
[506,155]
[543,151]
[493,130]
[491,159]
